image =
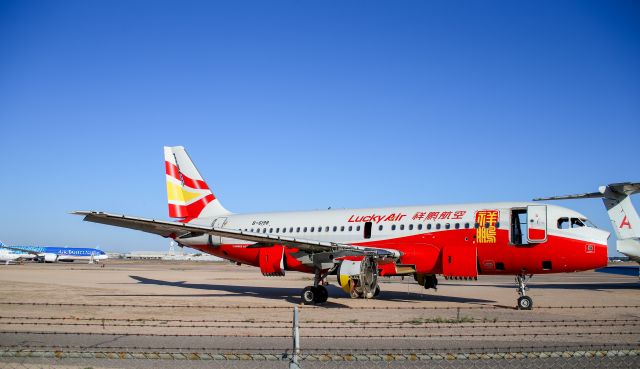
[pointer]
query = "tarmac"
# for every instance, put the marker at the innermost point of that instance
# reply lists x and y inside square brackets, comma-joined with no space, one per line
[177,307]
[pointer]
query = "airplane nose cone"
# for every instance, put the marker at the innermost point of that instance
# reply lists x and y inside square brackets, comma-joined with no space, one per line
[602,254]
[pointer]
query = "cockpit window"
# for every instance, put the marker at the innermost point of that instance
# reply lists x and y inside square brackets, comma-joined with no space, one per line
[563,223]
[566,223]
[576,223]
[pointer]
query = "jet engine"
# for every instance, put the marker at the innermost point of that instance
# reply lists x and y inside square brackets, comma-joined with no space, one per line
[359,278]
[272,261]
[50,258]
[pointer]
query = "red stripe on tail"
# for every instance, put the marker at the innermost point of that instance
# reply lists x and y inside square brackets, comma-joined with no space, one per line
[173,171]
[190,211]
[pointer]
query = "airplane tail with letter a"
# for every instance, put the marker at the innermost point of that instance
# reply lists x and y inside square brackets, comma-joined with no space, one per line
[188,194]
[623,215]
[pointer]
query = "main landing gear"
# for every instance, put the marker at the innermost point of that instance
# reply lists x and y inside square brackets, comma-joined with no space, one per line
[317,293]
[524,302]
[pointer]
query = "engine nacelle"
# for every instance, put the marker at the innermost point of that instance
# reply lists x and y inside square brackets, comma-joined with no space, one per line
[50,258]
[272,261]
[359,278]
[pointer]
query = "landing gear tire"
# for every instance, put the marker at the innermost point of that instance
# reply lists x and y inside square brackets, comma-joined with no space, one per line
[308,295]
[321,295]
[314,295]
[525,303]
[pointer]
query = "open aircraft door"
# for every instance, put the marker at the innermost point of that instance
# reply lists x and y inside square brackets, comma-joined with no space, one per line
[537,227]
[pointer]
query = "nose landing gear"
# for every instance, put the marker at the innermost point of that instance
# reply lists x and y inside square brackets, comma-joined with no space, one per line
[524,302]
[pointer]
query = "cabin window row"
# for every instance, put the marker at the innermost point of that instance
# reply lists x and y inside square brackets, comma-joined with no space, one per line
[394,227]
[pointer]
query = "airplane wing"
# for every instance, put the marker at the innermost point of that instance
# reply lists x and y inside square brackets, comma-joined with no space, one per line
[14,248]
[177,230]
[625,188]
[589,195]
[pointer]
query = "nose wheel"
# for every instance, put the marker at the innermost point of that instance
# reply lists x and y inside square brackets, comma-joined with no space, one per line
[524,302]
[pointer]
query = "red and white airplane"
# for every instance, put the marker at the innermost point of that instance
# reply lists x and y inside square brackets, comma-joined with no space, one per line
[358,245]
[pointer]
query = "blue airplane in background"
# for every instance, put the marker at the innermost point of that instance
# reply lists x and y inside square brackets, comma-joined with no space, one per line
[50,254]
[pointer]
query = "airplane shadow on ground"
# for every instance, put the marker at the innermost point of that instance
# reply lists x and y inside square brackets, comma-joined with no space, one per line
[573,286]
[291,294]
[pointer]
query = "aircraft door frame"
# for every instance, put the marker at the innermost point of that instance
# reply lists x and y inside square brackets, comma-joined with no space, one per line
[537,223]
[217,223]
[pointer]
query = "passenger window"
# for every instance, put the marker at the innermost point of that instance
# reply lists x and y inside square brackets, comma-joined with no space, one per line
[429,226]
[447,226]
[358,229]
[284,230]
[270,230]
[350,228]
[342,229]
[380,227]
[402,227]
[291,229]
[326,229]
[393,227]
[419,227]
[438,226]
[457,225]
[320,229]
[466,225]
[335,228]
[563,223]
[410,227]
[312,229]
[304,230]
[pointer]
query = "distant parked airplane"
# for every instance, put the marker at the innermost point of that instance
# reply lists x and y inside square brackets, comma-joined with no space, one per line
[50,254]
[357,245]
[8,256]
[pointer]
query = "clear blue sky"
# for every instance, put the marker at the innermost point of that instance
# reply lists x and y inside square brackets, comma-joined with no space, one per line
[291,105]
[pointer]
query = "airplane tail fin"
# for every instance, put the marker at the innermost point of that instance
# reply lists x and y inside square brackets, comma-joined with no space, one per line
[623,215]
[188,194]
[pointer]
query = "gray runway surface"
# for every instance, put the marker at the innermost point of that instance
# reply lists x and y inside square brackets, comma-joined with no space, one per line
[217,309]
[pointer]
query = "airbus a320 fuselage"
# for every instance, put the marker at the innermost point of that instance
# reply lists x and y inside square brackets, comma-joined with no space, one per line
[458,241]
